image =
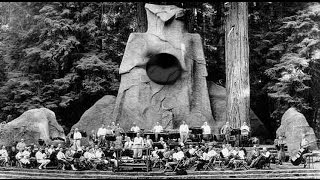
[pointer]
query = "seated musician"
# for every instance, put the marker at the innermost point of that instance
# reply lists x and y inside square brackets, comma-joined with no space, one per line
[255,154]
[4,156]
[180,142]
[262,159]
[90,157]
[148,142]
[177,156]
[135,128]
[63,159]
[100,157]
[42,159]
[127,148]
[163,143]
[233,156]
[191,150]
[245,130]
[25,160]
[226,131]
[206,131]
[305,144]
[155,156]
[206,157]
[157,129]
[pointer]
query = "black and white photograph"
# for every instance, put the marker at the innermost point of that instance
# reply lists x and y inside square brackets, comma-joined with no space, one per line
[160,90]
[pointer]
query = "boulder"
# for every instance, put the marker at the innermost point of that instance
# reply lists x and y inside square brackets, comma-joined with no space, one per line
[163,75]
[100,112]
[32,125]
[218,102]
[293,126]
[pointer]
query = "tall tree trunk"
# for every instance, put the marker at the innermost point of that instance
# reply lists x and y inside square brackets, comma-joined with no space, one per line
[237,64]
[141,17]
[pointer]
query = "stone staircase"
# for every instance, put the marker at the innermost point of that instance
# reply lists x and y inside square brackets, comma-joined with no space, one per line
[9,173]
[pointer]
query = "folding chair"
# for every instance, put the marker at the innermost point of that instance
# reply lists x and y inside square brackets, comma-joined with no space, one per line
[240,163]
[179,164]
[210,164]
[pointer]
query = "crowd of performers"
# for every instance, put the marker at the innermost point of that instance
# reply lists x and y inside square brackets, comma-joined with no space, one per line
[110,143]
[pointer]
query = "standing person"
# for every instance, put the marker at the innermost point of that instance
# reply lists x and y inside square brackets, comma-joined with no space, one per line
[184,131]
[138,144]
[77,139]
[280,142]
[113,127]
[206,131]
[135,128]
[157,129]
[226,131]
[21,145]
[102,131]
[118,130]
[42,158]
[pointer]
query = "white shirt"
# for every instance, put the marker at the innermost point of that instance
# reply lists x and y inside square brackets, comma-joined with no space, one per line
[192,150]
[77,135]
[245,129]
[50,150]
[128,145]
[225,152]
[61,155]
[19,155]
[99,154]
[241,154]
[212,153]
[157,129]
[184,128]
[138,141]
[178,155]
[206,129]
[304,142]
[266,154]
[135,129]
[40,156]
[4,153]
[26,154]
[88,155]
[102,132]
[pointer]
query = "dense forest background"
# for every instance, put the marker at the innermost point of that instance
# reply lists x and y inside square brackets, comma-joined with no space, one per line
[65,55]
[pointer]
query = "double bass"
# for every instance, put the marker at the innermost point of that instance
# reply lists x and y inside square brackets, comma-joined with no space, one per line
[296,159]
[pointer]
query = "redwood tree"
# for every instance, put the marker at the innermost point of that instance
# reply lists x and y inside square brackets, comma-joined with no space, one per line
[237,64]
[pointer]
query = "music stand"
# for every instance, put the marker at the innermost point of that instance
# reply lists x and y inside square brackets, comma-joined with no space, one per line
[131,134]
[151,134]
[110,137]
[157,144]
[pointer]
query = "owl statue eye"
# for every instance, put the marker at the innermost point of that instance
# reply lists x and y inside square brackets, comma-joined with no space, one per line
[164,69]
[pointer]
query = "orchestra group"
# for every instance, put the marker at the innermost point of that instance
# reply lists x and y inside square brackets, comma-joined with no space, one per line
[111,142]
